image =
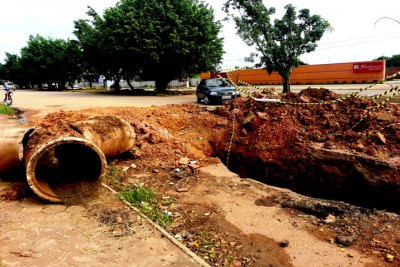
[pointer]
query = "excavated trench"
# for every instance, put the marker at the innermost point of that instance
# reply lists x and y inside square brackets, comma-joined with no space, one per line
[330,151]
[341,176]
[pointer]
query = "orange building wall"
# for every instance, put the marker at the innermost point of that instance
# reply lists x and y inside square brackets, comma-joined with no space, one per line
[351,72]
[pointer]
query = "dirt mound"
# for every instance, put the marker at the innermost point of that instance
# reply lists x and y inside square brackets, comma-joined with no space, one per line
[318,143]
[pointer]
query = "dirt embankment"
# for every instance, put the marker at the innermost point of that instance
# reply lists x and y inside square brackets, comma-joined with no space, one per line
[346,150]
[311,149]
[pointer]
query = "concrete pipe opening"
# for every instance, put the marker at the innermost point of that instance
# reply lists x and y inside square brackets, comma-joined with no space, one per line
[67,170]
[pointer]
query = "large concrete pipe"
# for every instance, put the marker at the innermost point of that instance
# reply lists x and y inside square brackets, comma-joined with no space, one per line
[66,169]
[11,147]
[71,166]
[117,139]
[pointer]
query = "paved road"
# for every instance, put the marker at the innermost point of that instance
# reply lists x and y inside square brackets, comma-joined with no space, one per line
[50,101]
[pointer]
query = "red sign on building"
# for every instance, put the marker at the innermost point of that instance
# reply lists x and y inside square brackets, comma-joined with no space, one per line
[371,66]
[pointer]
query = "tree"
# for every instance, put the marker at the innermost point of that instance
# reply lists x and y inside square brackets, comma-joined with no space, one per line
[11,69]
[153,40]
[100,52]
[51,61]
[393,61]
[279,43]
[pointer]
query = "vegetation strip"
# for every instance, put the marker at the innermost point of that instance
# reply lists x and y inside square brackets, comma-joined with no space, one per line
[6,110]
[190,253]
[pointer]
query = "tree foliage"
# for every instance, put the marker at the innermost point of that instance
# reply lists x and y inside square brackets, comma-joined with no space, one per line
[280,43]
[152,40]
[11,70]
[391,62]
[44,61]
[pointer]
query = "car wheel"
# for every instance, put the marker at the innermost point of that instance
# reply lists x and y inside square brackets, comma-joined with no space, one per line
[198,99]
[206,100]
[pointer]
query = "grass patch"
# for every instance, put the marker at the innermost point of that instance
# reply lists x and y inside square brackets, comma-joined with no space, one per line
[6,110]
[144,199]
[137,195]
[114,178]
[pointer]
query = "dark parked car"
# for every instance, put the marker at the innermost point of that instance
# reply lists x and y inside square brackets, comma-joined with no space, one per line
[215,90]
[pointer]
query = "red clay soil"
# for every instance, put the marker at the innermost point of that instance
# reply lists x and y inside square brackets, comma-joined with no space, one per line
[345,150]
[275,144]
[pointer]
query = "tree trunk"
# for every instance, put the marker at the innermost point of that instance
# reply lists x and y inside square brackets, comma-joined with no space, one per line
[286,84]
[161,85]
[116,87]
[129,84]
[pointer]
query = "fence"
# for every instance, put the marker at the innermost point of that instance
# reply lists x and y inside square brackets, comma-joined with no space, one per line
[351,72]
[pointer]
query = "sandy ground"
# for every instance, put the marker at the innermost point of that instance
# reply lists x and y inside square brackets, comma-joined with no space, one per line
[34,233]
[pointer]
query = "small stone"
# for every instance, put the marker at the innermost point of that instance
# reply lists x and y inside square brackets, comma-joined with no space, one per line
[184,161]
[183,189]
[381,138]
[133,166]
[384,117]
[304,99]
[126,168]
[358,147]
[118,233]
[236,263]
[284,243]
[345,240]
[330,218]
[136,152]
[186,235]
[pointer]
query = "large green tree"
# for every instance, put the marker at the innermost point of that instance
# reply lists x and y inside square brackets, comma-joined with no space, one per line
[280,43]
[50,61]
[101,53]
[11,70]
[152,40]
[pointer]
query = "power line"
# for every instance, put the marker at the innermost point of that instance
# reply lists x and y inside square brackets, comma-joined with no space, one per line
[362,37]
[354,44]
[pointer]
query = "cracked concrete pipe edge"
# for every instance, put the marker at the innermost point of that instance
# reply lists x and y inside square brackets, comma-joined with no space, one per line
[11,147]
[46,157]
[119,137]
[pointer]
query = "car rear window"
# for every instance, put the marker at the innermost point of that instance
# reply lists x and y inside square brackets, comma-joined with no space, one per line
[216,82]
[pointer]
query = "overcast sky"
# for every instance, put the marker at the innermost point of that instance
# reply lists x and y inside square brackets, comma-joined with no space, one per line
[355,37]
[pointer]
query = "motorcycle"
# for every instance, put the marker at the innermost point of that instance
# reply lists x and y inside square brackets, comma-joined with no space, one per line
[8,98]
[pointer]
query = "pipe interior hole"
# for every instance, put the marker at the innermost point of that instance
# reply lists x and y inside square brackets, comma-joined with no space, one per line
[71,170]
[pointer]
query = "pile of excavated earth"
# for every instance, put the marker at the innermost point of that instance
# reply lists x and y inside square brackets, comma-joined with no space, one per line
[317,177]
